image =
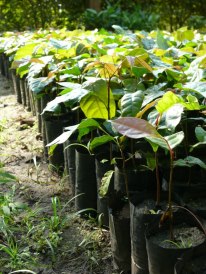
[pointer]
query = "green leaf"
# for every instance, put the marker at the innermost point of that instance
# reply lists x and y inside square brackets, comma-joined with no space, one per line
[174,75]
[153,93]
[192,103]
[139,71]
[99,141]
[94,107]
[189,162]
[6,210]
[99,88]
[104,188]
[63,137]
[168,100]
[88,123]
[69,99]
[173,116]
[69,85]
[201,137]
[184,34]
[51,149]
[6,177]
[38,84]
[86,126]
[168,142]
[135,128]
[200,134]
[131,103]
[161,41]
[25,51]
[198,87]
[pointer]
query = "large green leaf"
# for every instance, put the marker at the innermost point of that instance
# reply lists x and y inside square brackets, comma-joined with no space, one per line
[99,141]
[198,87]
[173,116]
[153,93]
[190,161]
[63,137]
[168,142]
[88,123]
[70,99]
[94,107]
[39,84]
[184,34]
[25,51]
[168,100]
[131,103]
[161,41]
[99,88]
[135,128]
[86,126]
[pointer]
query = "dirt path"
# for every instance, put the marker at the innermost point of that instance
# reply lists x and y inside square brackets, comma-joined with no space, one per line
[81,247]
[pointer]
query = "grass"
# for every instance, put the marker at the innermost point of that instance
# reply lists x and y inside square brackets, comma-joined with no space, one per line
[31,238]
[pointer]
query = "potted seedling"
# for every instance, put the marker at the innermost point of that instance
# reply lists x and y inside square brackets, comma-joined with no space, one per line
[139,128]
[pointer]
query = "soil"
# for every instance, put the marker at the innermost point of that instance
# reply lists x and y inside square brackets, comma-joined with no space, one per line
[36,184]
[184,237]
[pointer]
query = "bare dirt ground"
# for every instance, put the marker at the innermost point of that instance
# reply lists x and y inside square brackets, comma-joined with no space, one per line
[82,247]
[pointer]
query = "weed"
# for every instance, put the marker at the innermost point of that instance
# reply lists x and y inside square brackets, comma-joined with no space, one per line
[180,244]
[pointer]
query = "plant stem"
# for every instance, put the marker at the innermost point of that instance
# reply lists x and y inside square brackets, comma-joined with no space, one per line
[124,172]
[158,180]
[108,99]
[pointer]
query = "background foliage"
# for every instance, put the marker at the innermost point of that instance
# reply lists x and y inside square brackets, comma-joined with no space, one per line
[131,14]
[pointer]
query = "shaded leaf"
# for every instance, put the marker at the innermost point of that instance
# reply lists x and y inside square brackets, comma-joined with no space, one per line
[189,162]
[105,183]
[99,141]
[135,128]
[131,103]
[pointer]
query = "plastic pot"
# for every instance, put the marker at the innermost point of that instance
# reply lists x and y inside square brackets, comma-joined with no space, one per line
[85,182]
[161,259]
[119,225]
[138,180]
[69,163]
[54,127]
[140,217]
[192,261]
[16,85]
[23,92]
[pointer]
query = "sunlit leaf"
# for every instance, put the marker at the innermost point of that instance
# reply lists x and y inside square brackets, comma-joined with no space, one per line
[168,100]
[168,142]
[173,116]
[94,107]
[63,137]
[25,51]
